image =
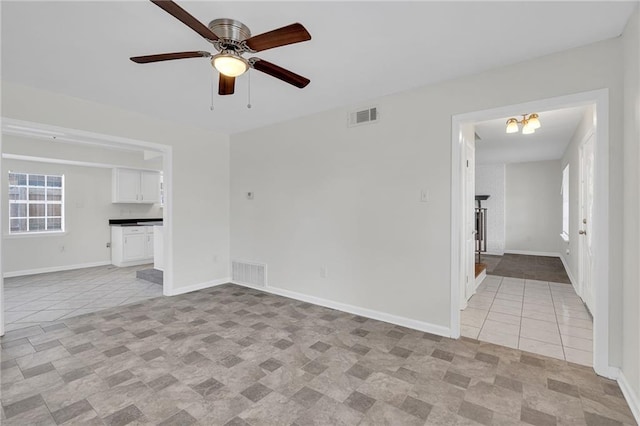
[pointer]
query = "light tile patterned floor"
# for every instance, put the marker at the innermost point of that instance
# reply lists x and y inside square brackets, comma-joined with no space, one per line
[536,316]
[236,356]
[44,298]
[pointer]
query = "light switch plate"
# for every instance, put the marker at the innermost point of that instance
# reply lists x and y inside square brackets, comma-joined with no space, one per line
[424,196]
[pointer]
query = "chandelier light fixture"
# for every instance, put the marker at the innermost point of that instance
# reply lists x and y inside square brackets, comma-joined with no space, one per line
[530,122]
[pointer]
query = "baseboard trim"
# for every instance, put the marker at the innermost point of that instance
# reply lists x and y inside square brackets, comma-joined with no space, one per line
[479,279]
[148,261]
[630,396]
[574,283]
[534,253]
[356,310]
[199,286]
[55,269]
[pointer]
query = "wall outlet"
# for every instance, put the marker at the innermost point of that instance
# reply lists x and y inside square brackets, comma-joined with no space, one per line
[324,273]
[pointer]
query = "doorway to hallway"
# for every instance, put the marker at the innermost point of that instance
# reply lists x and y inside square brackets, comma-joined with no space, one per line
[549,299]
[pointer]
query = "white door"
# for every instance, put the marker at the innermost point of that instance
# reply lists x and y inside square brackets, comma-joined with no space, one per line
[470,211]
[468,273]
[135,247]
[586,220]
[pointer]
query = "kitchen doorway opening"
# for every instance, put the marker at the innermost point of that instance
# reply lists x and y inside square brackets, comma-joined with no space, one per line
[93,155]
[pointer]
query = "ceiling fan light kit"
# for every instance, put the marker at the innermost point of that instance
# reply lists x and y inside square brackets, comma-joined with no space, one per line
[229,63]
[232,39]
[529,122]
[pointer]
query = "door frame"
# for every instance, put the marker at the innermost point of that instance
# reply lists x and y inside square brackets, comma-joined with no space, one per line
[83,137]
[601,210]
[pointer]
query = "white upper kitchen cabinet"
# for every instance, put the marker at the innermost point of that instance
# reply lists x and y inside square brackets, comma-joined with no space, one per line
[150,187]
[136,186]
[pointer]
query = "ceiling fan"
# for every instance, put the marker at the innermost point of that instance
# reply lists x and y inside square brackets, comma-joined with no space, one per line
[231,38]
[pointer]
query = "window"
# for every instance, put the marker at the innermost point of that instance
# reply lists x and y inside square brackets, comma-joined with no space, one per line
[36,203]
[565,203]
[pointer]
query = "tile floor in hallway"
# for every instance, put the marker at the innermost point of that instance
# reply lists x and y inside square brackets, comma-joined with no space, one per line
[236,356]
[44,298]
[537,316]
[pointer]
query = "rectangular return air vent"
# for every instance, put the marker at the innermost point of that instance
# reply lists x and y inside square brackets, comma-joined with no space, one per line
[365,116]
[249,273]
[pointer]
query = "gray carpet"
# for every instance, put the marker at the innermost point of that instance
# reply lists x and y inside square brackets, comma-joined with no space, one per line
[542,268]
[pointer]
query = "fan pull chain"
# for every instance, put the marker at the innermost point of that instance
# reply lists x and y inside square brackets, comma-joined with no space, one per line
[212,78]
[249,80]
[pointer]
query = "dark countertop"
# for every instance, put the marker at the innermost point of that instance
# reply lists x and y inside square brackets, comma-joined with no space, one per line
[134,222]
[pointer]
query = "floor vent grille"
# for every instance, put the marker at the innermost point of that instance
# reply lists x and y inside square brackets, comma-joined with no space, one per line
[249,273]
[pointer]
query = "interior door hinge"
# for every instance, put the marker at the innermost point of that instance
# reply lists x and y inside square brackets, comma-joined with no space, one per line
[467,163]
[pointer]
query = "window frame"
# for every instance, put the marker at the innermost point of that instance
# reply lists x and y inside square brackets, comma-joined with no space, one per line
[27,203]
[564,191]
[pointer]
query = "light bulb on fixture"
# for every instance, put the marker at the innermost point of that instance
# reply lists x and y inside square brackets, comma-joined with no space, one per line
[230,63]
[512,125]
[534,122]
[527,128]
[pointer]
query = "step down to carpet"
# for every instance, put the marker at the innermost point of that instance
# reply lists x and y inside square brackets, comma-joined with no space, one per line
[154,275]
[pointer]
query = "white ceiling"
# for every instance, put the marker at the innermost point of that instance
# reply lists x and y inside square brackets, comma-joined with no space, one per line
[358,51]
[547,143]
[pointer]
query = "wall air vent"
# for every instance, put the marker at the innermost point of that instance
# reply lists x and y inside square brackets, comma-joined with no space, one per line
[365,116]
[249,273]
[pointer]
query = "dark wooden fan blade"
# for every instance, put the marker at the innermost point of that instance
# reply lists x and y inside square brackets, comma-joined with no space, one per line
[280,73]
[226,85]
[294,33]
[169,56]
[183,16]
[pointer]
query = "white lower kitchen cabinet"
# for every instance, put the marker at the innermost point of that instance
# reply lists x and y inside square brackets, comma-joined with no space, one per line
[131,245]
[158,248]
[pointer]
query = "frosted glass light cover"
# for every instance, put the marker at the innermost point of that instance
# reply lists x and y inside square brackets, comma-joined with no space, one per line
[534,122]
[229,65]
[527,129]
[512,126]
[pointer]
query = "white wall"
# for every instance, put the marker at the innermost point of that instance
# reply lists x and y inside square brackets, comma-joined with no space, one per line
[88,208]
[200,172]
[490,181]
[348,198]
[631,242]
[569,250]
[533,207]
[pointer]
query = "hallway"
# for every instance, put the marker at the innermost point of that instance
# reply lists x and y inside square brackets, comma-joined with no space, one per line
[546,318]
